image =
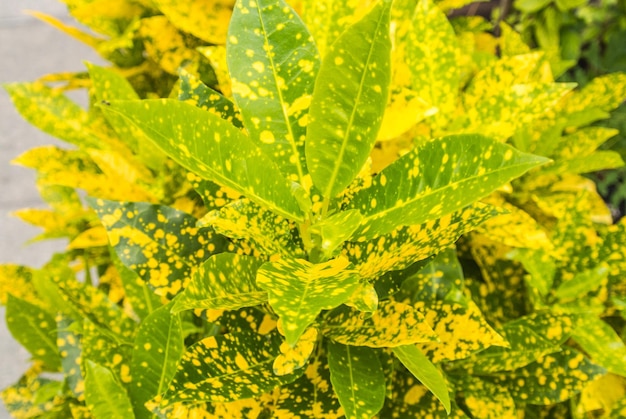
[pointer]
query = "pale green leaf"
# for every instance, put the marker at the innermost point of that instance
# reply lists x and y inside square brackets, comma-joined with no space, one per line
[602,343]
[393,324]
[358,379]
[436,179]
[273,63]
[226,281]
[331,232]
[424,370]
[348,102]
[299,290]
[70,347]
[583,142]
[212,148]
[582,283]
[35,329]
[596,161]
[157,349]
[104,396]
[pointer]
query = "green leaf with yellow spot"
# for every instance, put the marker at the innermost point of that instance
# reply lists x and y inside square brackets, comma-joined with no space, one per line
[70,348]
[583,142]
[267,232]
[358,379]
[34,328]
[53,113]
[161,244]
[423,369]
[299,290]
[462,330]
[430,54]
[602,344]
[109,85]
[33,395]
[136,291]
[331,232]
[551,379]
[488,401]
[414,190]
[273,62]
[295,357]
[582,283]
[226,281]
[105,348]
[605,92]
[407,245]
[16,280]
[349,101]
[193,91]
[205,19]
[393,324]
[157,349]
[596,161]
[104,395]
[226,368]
[213,149]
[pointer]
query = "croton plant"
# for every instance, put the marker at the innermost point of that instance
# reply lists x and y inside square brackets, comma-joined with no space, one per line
[318,209]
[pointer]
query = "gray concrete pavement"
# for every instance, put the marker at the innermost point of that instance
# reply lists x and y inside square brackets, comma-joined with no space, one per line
[28,49]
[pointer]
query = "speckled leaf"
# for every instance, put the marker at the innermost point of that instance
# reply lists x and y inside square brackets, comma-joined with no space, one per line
[436,179]
[32,396]
[216,54]
[225,368]
[599,160]
[213,149]
[53,113]
[541,268]
[16,280]
[226,281]
[583,142]
[423,369]
[34,328]
[193,91]
[296,357]
[462,330]
[159,243]
[348,102]
[485,400]
[299,290]
[136,291]
[582,283]
[205,19]
[393,324]
[273,63]
[110,85]
[270,234]
[104,396]
[529,337]
[331,232]
[358,379]
[311,395]
[364,299]
[70,345]
[602,343]
[605,92]
[431,54]
[105,348]
[407,245]
[157,349]
[552,379]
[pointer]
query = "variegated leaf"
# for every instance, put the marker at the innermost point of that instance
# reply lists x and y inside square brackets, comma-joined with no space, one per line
[299,290]
[225,368]
[162,245]
[357,378]
[70,347]
[137,292]
[414,190]
[273,63]
[295,357]
[602,343]
[104,396]
[157,349]
[331,232]
[393,324]
[485,400]
[226,281]
[423,369]
[16,280]
[269,233]
[348,102]
[605,92]
[213,149]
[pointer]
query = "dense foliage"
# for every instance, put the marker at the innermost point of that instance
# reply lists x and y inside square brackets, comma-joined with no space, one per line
[323,209]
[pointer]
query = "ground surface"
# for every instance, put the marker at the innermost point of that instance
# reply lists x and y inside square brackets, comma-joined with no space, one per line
[28,49]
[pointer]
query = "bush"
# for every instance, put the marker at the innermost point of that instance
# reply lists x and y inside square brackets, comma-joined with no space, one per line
[399,229]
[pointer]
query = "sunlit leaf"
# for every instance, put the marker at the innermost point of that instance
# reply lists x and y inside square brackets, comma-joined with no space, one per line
[413,190]
[224,155]
[357,378]
[602,343]
[331,232]
[224,281]
[299,290]
[105,397]
[296,357]
[16,280]
[348,102]
[393,324]
[489,401]
[273,63]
